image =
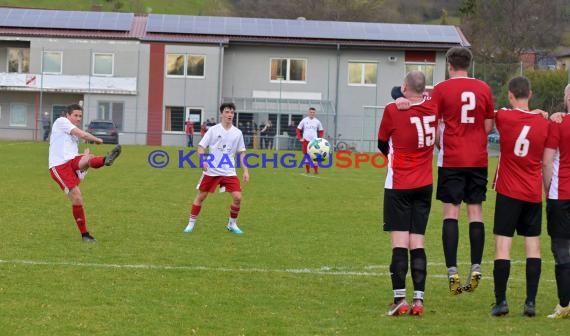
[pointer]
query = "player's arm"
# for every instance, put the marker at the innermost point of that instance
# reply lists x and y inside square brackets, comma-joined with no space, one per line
[244,166]
[489,124]
[298,130]
[403,103]
[383,146]
[203,163]
[85,135]
[547,160]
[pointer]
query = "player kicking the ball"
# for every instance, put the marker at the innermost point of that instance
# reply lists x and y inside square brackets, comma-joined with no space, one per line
[223,140]
[68,168]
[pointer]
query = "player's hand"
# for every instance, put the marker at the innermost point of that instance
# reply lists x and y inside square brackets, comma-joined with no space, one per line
[403,103]
[557,117]
[205,166]
[246,176]
[98,141]
[544,113]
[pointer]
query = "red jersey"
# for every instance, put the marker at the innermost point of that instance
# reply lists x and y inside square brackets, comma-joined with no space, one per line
[523,139]
[464,104]
[411,136]
[559,138]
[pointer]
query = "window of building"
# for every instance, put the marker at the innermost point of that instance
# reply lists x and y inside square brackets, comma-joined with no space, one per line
[427,69]
[185,65]
[288,70]
[174,118]
[362,73]
[195,66]
[18,60]
[52,62]
[423,61]
[175,65]
[194,114]
[57,111]
[111,111]
[18,115]
[103,64]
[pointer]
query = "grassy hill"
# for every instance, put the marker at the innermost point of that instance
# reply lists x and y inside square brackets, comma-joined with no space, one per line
[186,7]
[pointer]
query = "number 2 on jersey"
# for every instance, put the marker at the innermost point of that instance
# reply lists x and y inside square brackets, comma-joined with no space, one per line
[426,132]
[468,100]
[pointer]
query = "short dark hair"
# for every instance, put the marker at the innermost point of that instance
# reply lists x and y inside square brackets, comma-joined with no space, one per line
[69,109]
[227,105]
[313,109]
[459,58]
[520,87]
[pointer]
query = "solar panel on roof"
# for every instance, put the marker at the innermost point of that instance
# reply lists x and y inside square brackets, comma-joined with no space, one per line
[163,23]
[40,18]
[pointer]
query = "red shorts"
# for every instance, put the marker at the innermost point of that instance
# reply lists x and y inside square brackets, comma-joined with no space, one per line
[66,174]
[209,183]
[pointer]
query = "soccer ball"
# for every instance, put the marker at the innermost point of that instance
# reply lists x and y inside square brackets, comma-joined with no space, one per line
[319,149]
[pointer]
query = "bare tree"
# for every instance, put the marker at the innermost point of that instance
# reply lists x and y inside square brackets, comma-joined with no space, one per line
[501,29]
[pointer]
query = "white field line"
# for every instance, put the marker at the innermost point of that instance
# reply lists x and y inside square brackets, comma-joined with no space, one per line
[325,270]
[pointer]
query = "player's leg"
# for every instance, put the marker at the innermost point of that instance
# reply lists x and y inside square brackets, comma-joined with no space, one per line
[233,186]
[558,224]
[450,186]
[561,250]
[195,210]
[475,194]
[78,212]
[68,180]
[397,218]
[398,272]
[206,184]
[507,212]
[418,258]
[530,228]
[304,146]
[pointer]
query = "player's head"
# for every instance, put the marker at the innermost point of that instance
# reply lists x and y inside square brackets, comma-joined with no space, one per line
[567,98]
[459,58]
[74,113]
[227,111]
[414,84]
[312,112]
[519,88]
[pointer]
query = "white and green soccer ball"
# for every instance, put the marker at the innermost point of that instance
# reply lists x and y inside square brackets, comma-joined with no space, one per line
[319,149]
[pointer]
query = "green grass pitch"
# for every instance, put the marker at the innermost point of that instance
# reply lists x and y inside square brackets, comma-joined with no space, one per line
[313,259]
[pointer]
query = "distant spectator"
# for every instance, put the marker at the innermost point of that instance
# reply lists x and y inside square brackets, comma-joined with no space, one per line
[46,124]
[189,130]
[267,133]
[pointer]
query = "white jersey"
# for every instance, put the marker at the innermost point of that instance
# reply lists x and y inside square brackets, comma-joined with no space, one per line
[223,145]
[62,145]
[310,128]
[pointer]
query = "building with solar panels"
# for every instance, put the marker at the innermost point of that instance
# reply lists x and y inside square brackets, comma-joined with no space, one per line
[149,74]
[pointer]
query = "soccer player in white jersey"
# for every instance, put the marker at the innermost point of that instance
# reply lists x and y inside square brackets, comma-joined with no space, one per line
[223,141]
[312,129]
[68,168]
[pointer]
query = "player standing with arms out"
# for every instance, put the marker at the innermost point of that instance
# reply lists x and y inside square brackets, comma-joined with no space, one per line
[467,112]
[223,140]
[68,168]
[312,129]
[407,138]
[518,183]
[556,177]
